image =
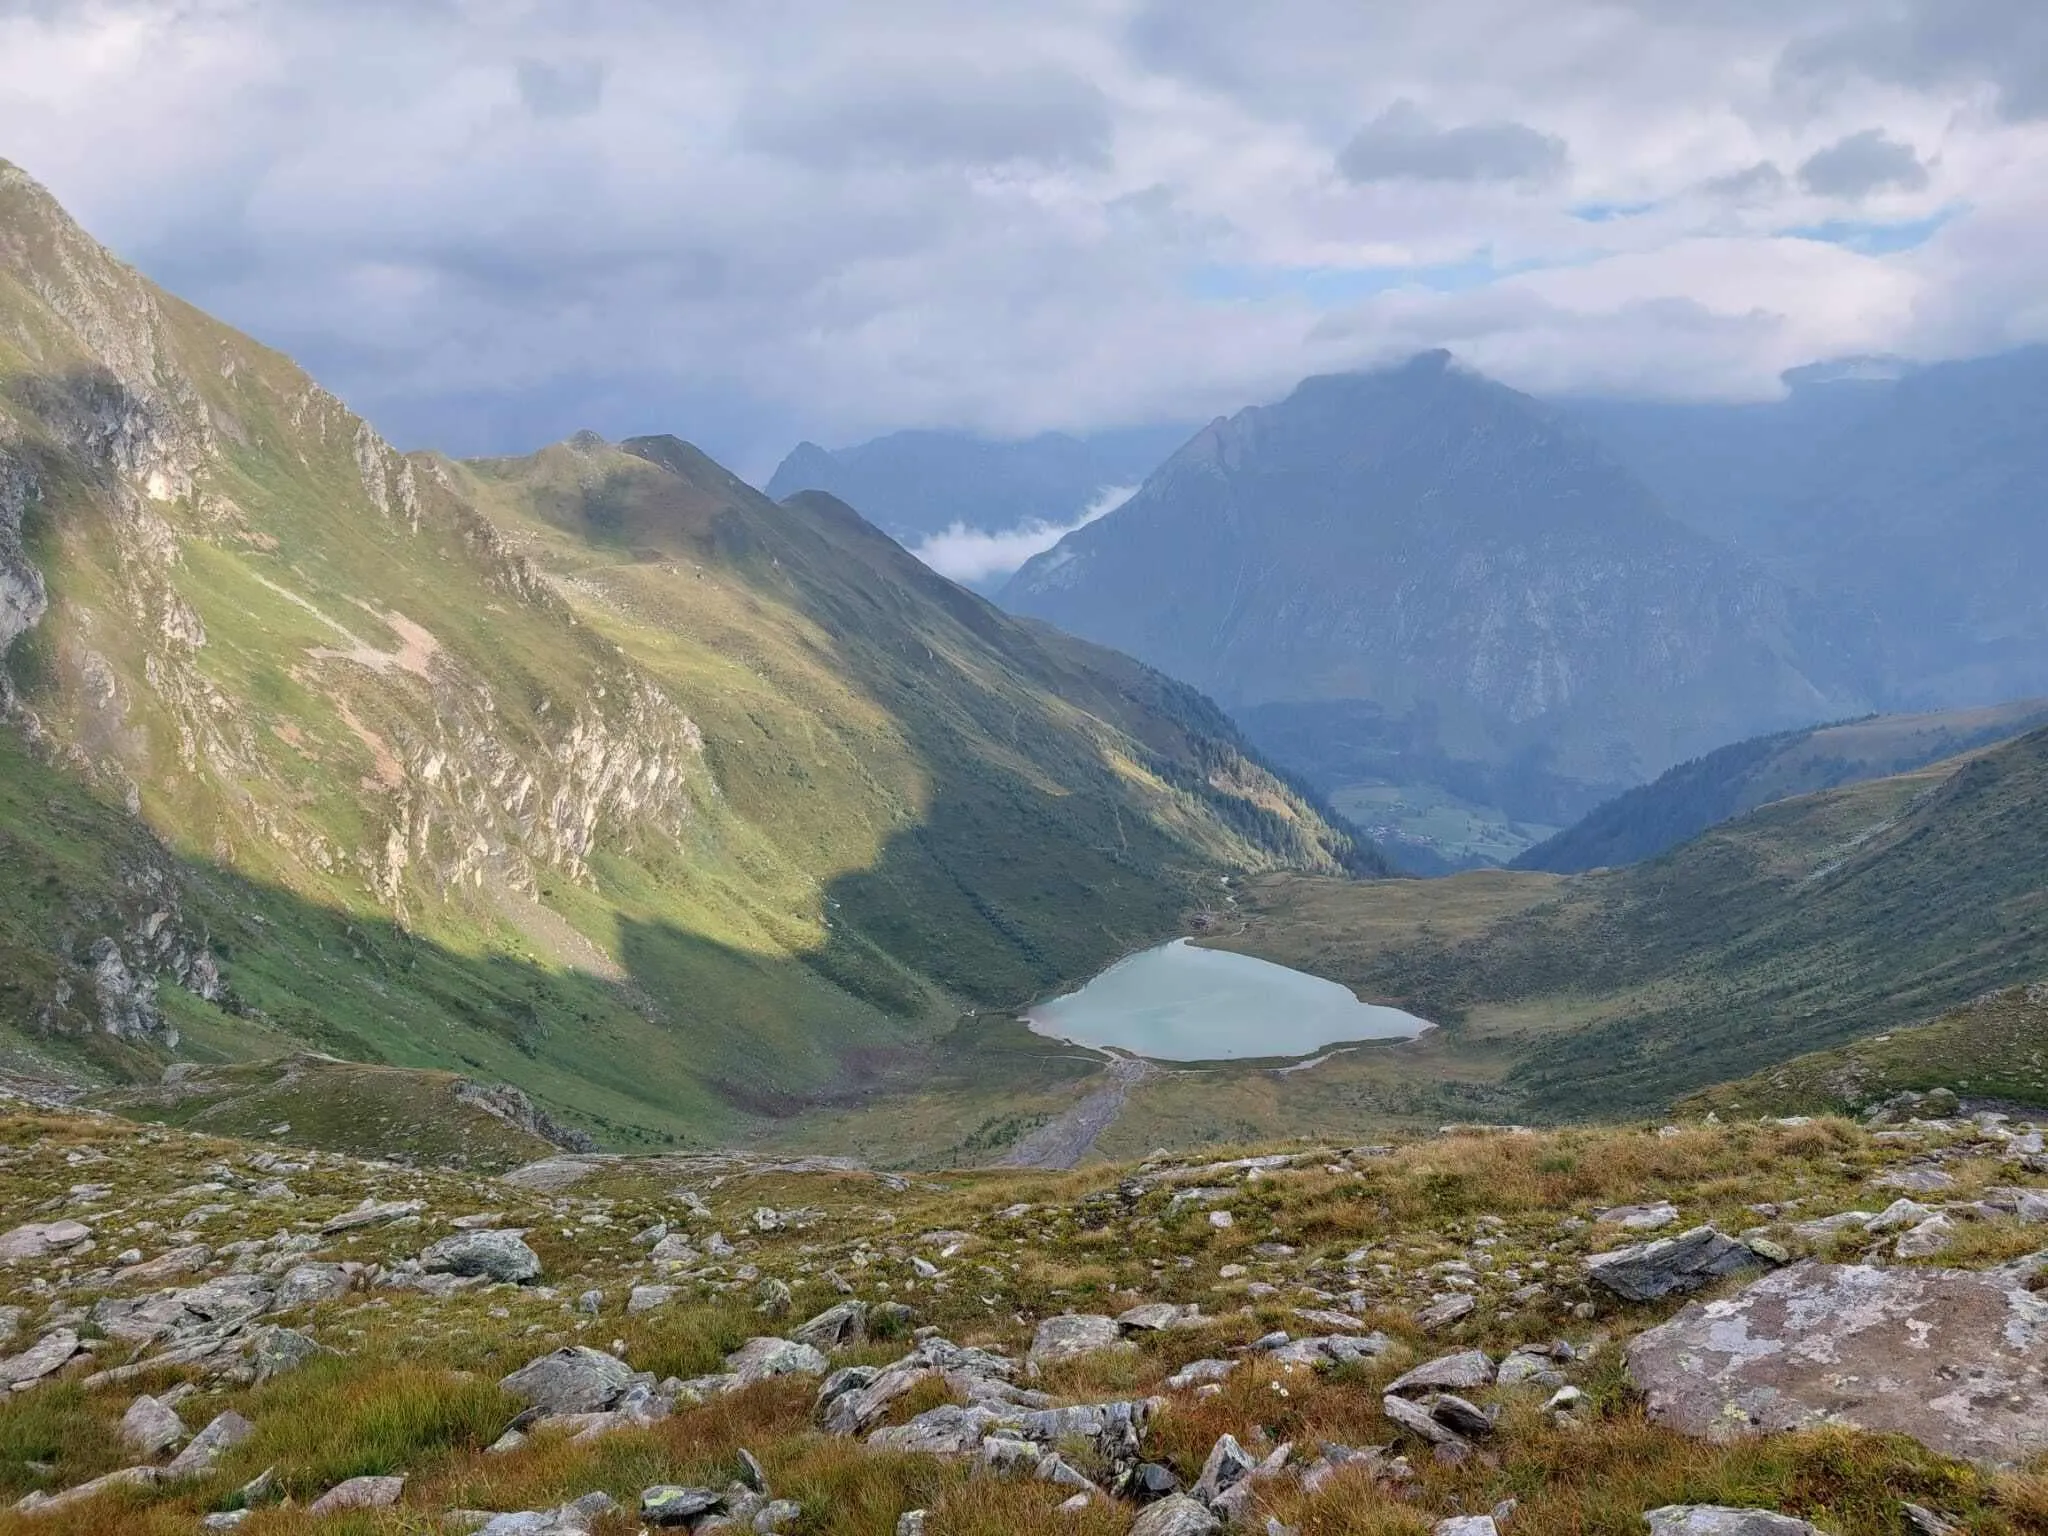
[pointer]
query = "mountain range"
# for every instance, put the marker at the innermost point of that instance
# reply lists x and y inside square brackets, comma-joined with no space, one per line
[1418,573]
[594,771]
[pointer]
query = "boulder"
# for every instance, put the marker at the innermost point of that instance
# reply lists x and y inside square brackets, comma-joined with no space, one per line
[372,1213]
[1228,1465]
[149,1428]
[279,1350]
[576,1379]
[1466,1525]
[1445,1311]
[645,1298]
[1641,1218]
[227,1431]
[47,1354]
[358,1493]
[1719,1520]
[1927,1239]
[127,1477]
[835,1327]
[1956,1359]
[1670,1266]
[41,1239]
[946,1431]
[1418,1420]
[667,1504]
[501,1255]
[1157,1316]
[1198,1372]
[1177,1515]
[1451,1373]
[306,1285]
[1071,1334]
[759,1359]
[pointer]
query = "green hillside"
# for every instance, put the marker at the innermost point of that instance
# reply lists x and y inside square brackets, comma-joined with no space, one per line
[1686,800]
[594,772]
[1805,925]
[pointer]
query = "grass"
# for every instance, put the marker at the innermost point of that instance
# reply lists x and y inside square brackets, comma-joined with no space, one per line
[413,1387]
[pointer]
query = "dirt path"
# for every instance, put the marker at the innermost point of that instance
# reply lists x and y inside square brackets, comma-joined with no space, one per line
[1062,1143]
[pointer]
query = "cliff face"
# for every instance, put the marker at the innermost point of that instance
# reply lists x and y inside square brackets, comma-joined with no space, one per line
[596,772]
[1436,545]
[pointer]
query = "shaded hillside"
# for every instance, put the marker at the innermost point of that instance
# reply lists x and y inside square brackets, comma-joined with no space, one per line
[595,772]
[1686,800]
[1449,570]
[1803,925]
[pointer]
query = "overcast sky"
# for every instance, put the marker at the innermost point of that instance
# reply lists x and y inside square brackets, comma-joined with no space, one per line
[748,221]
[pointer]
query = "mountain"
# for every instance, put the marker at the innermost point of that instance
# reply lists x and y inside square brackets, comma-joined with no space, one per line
[975,508]
[1801,926]
[595,771]
[1912,495]
[1419,573]
[1684,801]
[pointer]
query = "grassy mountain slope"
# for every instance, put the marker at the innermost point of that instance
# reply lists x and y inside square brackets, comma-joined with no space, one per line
[595,772]
[1688,799]
[1804,925]
[1992,1048]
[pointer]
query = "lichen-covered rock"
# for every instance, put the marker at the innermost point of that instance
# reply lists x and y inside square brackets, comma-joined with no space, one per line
[1451,1373]
[1957,1360]
[1177,1515]
[41,1239]
[759,1359]
[1720,1520]
[149,1428]
[575,1379]
[1670,1266]
[359,1493]
[1071,1334]
[227,1431]
[501,1256]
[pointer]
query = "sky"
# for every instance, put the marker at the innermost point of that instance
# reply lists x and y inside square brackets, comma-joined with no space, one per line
[487,225]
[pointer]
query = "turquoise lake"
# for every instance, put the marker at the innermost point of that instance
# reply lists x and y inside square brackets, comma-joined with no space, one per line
[1181,1003]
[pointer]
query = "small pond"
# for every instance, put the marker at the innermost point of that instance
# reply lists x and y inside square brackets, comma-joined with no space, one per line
[1182,1003]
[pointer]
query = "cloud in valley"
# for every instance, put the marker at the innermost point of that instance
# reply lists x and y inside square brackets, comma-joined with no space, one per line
[488,226]
[971,555]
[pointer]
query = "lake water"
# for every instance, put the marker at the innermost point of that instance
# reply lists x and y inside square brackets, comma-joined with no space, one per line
[1182,1003]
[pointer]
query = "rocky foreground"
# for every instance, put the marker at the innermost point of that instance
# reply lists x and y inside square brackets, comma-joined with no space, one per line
[1761,1329]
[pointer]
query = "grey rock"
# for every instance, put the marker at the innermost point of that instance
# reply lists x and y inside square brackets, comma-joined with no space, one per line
[1445,1311]
[1197,1372]
[854,1411]
[127,1477]
[1641,1218]
[1900,1213]
[1528,1368]
[1456,1413]
[576,1379]
[667,1504]
[1176,1515]
[1670,1266]
[49,1353]
[911,1523]
[1157,1316]
[776,1516]
[278,1350]
[1466,1525]
[227,1431]
[759,1359]
[835,1327]
[1927,1522]
[40,1239]
[1915,1181]
[1460,1372]
[1064,1337]
[1228,1465]
[500,1255]
[1720,1520]
[946,1431]
[359,1493]
[372,1213]
[1927,1239]
[1418,1421]
[1955,1359]
[305,1285]
[645,1298]
[149,1428]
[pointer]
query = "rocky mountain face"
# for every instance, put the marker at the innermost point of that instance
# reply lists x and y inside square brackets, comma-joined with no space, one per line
[596,772]
[1446,569]
[915,484]
[1912,495]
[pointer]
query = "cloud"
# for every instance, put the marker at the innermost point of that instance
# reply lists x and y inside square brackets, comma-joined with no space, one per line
[1759,183]
[489,225]
[971,556]
[564,88]
[1863,163]
[1401,144]
[956,116]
